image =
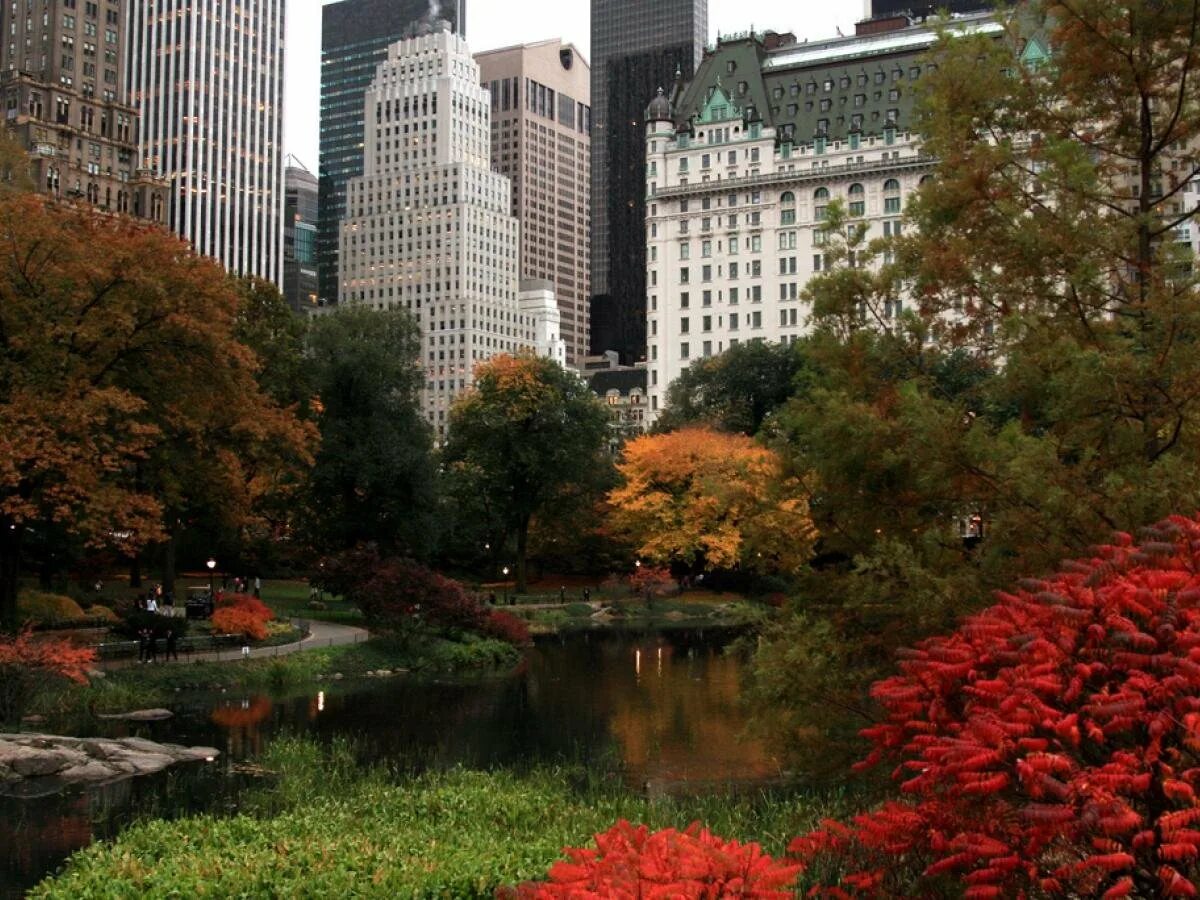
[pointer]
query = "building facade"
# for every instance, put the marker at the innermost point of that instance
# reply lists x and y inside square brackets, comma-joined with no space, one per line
[355,36]
[637,47]
[207,80]
[299,237]
[428,225]
[541,124]
[66,102]
[741,172]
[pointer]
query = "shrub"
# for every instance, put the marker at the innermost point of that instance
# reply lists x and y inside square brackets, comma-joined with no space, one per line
[506,627]
[47,609]
[135,620]
[27,663]
[1049,744]
[242,614]
[102,613]
[631,861]
[650,581]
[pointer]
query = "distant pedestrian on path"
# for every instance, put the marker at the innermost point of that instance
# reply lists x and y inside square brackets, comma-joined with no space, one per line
[172,651]
[153,640]
[143,637]
[257,587]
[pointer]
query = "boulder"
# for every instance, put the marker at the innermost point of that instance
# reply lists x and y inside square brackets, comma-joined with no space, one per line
[139,715]
[93,771]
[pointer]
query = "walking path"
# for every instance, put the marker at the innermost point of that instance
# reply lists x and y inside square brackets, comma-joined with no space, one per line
[320,634]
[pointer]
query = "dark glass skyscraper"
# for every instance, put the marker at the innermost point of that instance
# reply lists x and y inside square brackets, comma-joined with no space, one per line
[355,35]
[927,7]
[637,47]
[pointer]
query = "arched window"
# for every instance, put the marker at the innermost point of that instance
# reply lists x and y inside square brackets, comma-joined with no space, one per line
[858,200]
[787,208]
[820,203]
[891,197]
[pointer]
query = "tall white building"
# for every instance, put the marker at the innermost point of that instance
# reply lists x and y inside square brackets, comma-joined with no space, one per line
[428,226]
[207,79]
[741,170]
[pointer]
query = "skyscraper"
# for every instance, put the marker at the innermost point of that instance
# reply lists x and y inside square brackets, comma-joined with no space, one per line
[428,226]
[355,36]
[926,7]
[637,47]
[299,236]
[207,78]
[66,102]
[541,124]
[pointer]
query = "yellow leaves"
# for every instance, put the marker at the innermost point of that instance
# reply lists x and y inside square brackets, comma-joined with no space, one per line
[699,496]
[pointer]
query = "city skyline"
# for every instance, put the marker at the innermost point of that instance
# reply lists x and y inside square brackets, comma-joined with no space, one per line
[490,27]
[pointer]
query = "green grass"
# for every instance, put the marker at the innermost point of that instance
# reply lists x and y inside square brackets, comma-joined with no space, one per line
[327,828]
[289,598]
[138,687]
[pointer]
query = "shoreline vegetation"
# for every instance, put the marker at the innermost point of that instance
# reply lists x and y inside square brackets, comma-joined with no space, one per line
[323,825]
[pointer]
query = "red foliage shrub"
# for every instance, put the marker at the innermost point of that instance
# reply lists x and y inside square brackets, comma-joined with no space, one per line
[1050,744]
[399,595]
[631,862]
[242,614]
[506,627]
[650,580]
[28,662]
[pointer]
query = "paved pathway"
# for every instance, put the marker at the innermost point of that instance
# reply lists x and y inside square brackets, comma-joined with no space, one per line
[320,634]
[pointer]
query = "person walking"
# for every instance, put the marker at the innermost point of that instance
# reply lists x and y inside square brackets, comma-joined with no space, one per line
[153,641]
[172,651]
[257,588]
[143,645]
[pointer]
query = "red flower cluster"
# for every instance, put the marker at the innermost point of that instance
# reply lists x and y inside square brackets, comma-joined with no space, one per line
[631,862]
[242,614]
[1051,744]
[28,662]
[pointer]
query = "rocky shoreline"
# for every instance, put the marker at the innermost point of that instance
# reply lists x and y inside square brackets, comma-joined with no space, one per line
[40,764]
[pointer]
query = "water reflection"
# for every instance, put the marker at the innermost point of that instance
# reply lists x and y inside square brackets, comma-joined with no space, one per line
[660,709]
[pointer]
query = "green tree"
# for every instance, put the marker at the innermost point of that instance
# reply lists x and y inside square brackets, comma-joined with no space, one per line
[733,391]
[528,434]
[1045,241]
[374,477]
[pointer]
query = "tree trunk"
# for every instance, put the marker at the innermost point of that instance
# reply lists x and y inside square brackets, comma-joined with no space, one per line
[522,541]
[169,561]
[135,570]
[10,567]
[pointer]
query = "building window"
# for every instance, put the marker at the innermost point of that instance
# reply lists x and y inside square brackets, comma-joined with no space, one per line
[683,350]
[787,208]
[684,325]
[891,196]
[820,204]
[858,201]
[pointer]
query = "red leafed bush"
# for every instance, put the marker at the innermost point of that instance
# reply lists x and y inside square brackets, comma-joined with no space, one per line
[242,614]
[650,580]
[506,627]
[28,662]
[399,596]
[1050,745]
[630,862]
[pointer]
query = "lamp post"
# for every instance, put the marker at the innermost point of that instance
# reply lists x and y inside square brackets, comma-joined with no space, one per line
[212,591]
[505,570]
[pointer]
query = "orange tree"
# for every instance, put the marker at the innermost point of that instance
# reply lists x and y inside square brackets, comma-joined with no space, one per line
[27,663]
[701,499]
[528,434]
[117,347]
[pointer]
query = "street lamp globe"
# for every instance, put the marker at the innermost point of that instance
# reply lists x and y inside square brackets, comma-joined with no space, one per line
[212,588]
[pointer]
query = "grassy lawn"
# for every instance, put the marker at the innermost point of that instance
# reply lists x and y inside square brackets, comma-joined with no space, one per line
[328,828]
[289,598]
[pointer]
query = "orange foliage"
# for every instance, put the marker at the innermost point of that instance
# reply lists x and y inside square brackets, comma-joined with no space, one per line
[242,715]
[242,614]
[28,662]
[699,496]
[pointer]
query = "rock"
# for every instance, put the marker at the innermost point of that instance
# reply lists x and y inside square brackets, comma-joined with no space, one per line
[34,762]
[148,763]
[89,771]
[96,673]
[141,745]
[337,676]
[139,715]
[33,720]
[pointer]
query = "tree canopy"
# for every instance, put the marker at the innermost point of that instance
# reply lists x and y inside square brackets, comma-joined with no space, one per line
[117,341]
[699,500]
[527,434]
[374,478]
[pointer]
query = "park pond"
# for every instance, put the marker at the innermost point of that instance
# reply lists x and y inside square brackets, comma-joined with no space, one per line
[661,709]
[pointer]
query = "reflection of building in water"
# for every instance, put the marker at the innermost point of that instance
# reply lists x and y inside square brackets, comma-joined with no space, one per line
[681,716]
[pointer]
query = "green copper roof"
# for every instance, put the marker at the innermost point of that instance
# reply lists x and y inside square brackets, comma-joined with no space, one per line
[820,89]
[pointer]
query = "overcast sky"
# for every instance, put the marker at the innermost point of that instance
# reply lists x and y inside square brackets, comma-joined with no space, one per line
[492,24]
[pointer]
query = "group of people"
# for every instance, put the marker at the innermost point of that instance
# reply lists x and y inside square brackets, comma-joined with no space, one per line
[243,584]
[157,600]
[148,645]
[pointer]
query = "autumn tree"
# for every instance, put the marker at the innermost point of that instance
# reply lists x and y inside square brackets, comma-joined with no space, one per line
[528,434]
[116,342]
[29,663]
[374,477]
[1047,746]
[699,500]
